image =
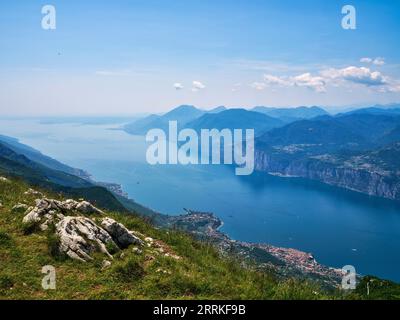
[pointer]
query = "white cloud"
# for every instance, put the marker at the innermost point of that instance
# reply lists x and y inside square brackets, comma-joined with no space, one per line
[366,60]
[273,80]
[377,61]
[394,88]
[258,85]
[344,77]
[307,80]
[113,73]
[360,75]
[316,83]
[197,86]
[178,86]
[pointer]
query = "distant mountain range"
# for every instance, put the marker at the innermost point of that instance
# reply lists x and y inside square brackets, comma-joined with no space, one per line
[292,114]
[40,158]
[360,130]
[182,114]
[235,119]
[377,110]
[261,119]
[357,150]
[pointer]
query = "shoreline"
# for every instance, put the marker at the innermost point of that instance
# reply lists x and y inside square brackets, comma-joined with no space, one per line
[286,262]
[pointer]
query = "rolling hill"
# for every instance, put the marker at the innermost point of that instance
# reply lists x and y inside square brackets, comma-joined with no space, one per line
[182,114]
[292,114]
[19,166]
[351,131]
[40,158]
[236,119]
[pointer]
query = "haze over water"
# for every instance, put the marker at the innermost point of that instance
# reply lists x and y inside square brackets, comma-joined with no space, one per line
[339,227]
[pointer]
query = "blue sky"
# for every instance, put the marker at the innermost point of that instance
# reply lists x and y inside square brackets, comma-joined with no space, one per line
[126,56]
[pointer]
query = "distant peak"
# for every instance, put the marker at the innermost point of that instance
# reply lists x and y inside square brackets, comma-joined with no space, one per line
[218,109]
[185,107]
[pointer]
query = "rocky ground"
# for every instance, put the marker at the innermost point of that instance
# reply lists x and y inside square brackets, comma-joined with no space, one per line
[83,230]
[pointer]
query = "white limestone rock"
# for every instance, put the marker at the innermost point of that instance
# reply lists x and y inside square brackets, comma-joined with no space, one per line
[120,234]
[45,207]
[82,207]
[32,192]
[137,251]
[87,208]
[80,236]
[42,208]
[105,265]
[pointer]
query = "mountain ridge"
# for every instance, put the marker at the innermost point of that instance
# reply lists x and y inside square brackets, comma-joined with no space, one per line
[186,116]
[235,119]
[355,151]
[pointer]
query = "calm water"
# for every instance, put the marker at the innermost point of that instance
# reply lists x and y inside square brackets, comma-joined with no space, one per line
[339,227]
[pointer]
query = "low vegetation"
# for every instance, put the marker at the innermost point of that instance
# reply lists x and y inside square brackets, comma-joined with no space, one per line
[146,273]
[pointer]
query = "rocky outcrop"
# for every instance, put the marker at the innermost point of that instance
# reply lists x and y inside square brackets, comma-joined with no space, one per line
[360,179]
[105,265]
[87,208]
[46,208]
[3,179]
[121,235]
[79,237]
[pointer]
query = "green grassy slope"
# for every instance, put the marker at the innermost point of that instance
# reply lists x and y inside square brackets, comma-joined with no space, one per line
[201,273]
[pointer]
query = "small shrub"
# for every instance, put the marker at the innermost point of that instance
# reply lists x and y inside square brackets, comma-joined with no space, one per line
[53,245]
[186,285]
[378,289]
[112,248]
[129,271]
[6,282]
[30,227]
[296,290]
[5,239]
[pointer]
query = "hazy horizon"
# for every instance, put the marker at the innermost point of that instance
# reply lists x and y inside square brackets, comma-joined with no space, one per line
[330,109]
[139,57]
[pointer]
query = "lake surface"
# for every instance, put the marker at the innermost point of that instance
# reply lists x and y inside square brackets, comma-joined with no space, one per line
[339,227]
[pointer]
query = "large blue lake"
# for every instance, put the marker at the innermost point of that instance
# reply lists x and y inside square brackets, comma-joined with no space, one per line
[339,227]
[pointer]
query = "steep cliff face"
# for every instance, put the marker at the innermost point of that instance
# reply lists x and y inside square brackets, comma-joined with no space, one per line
[360,179]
